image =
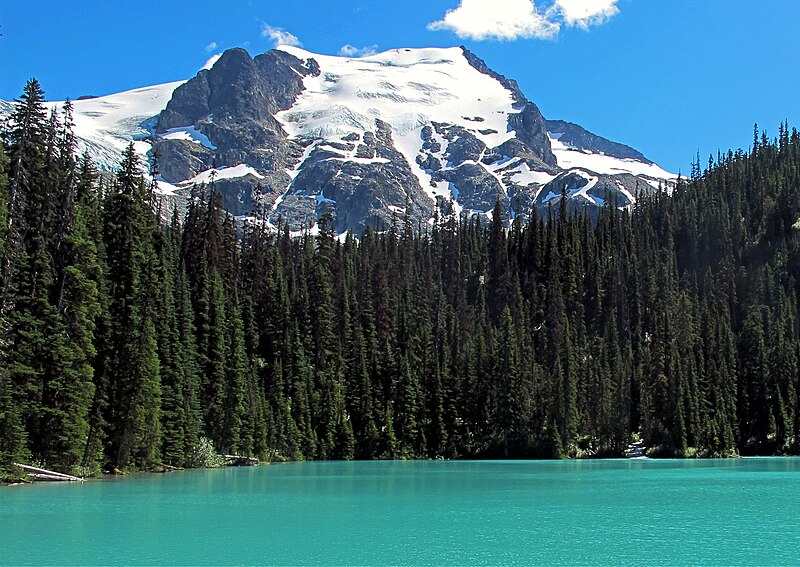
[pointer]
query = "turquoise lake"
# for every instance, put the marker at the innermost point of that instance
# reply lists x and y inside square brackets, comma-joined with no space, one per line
[607,512]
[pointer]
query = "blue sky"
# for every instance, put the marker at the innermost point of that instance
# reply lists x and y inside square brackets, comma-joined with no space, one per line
[669,78]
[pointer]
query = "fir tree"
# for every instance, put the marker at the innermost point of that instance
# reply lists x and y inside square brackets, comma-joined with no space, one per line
[134,397]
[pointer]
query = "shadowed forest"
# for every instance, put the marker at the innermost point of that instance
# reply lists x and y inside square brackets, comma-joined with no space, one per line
[129,334]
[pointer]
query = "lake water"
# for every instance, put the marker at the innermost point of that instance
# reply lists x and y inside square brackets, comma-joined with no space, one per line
[737,511]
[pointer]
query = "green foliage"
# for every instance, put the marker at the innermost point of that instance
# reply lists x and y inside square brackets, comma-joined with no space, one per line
[3,196]
[134,388]
[204,456]
[129,343]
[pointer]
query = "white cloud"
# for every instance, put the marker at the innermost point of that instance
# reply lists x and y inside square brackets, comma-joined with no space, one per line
[498,19]
[348,50]
[585,13]
[211,61]
[279,36]
[513,19]
[210,47]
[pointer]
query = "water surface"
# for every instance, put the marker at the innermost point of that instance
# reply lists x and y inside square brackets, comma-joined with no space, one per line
[737,511]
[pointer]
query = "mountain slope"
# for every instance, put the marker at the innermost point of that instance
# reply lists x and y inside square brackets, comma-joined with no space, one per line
[578,137]
[423,131]
[105,125]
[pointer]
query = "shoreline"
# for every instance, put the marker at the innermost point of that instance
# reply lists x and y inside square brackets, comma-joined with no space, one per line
[106,477]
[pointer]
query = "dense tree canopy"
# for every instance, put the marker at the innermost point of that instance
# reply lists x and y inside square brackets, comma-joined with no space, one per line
[125,336]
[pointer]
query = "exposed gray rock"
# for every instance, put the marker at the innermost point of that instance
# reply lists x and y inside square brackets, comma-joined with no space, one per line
[478,190]
[480,65]
[616,191]
[5,108]
[516,148]
[362,179]
[298,212]
[238,194]
[521,200]
[429,163]
[463,145]
[356,194]
[189,104]
[532,131]
[180,159]
[341,147]
[238,89]
[233,104]
[578,137]
[363,151]
[529,122]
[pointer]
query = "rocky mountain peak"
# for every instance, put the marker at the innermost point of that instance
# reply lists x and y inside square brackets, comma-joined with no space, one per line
[299,135]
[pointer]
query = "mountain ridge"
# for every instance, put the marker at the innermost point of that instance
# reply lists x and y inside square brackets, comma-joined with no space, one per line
[298,135]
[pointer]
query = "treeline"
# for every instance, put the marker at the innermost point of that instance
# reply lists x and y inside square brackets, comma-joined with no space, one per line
[125,340]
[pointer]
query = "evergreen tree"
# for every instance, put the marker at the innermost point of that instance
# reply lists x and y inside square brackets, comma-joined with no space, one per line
[3,196]
[134,398]
[124,340]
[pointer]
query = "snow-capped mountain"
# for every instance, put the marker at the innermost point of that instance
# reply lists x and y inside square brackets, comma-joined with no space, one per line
[106,125]
[421,131]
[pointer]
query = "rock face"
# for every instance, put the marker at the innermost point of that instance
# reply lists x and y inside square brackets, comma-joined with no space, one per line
[415,132]
[405,132]
[588,192]
[529,124]
[364,191]
[234,104]
[577,136]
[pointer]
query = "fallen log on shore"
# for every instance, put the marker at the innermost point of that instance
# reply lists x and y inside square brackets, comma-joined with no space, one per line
[51,478]
[36,473]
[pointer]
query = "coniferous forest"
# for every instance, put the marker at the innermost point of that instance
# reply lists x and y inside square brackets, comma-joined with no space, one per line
[130,335]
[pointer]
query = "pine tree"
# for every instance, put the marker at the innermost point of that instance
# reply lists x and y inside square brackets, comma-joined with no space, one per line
[89,251]
[125,340]
[134,398]
[214,378]
[407,408]
[189,377]
[498,282]
[509,394]
[26,151]
[4,161]
[172,360]
[753,386]
[13,439]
